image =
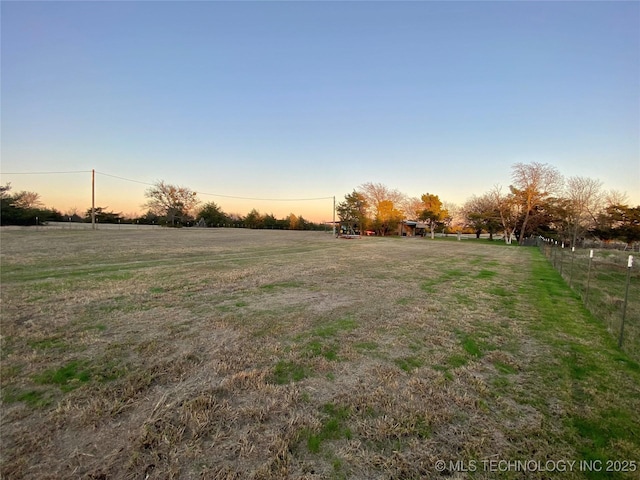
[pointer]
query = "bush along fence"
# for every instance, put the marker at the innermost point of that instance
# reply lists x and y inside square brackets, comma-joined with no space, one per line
[608,283]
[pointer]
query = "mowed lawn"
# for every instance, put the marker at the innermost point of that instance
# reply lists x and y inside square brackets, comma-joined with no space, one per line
[225,353]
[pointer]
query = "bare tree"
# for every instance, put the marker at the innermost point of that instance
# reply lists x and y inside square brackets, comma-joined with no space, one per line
[27,200]
[376,193]
[615,197]
[384,205]
[175,203]
[455,216]
[508,210]
[72,212]
[584,197]
[412,208]
[533,184]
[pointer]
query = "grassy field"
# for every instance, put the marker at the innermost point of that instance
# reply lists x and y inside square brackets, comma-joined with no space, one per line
[224,354]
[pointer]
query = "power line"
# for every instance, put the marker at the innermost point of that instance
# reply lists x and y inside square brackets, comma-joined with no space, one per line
[43,173]
[266,199]
[227,196]
[123,178]
[151,184]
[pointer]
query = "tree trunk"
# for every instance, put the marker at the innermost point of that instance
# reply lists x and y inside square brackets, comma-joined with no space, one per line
[522,230]
[508,236]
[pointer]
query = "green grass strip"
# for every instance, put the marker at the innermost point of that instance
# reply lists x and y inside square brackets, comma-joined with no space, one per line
[600,382]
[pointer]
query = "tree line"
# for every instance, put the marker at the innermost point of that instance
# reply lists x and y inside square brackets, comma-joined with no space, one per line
[538,202]
[167,205]
[177,206]
[24,208]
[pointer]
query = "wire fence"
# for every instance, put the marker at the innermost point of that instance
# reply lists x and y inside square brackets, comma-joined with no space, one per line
[608,282]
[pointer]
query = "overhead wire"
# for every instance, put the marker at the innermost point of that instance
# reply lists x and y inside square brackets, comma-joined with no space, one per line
[235,197]
[44,173]
[227,196]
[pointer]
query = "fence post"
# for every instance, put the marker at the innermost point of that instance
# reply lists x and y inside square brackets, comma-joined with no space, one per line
[573,254]
[561,257]
[626,297]
[586,301]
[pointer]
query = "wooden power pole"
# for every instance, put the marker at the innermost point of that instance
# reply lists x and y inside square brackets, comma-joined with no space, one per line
[93,199]
[334,215]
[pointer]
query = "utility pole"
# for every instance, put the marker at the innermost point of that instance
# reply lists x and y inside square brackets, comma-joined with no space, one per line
[334,215]
[93,199]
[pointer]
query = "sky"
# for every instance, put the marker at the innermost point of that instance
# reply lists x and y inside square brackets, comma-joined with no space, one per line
[303,100]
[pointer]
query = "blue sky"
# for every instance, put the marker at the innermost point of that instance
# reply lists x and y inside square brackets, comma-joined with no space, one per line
[312,99]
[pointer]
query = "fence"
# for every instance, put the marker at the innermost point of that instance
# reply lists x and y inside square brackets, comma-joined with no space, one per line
[84,226]
[608,282]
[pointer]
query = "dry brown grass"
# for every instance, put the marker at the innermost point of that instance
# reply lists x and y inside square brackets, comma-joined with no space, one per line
[229,354]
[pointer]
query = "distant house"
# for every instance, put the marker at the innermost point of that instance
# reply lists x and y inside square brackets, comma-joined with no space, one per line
[407,228]
[411,228]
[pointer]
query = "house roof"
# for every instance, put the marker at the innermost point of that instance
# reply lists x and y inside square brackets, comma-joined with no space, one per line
[413,223]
